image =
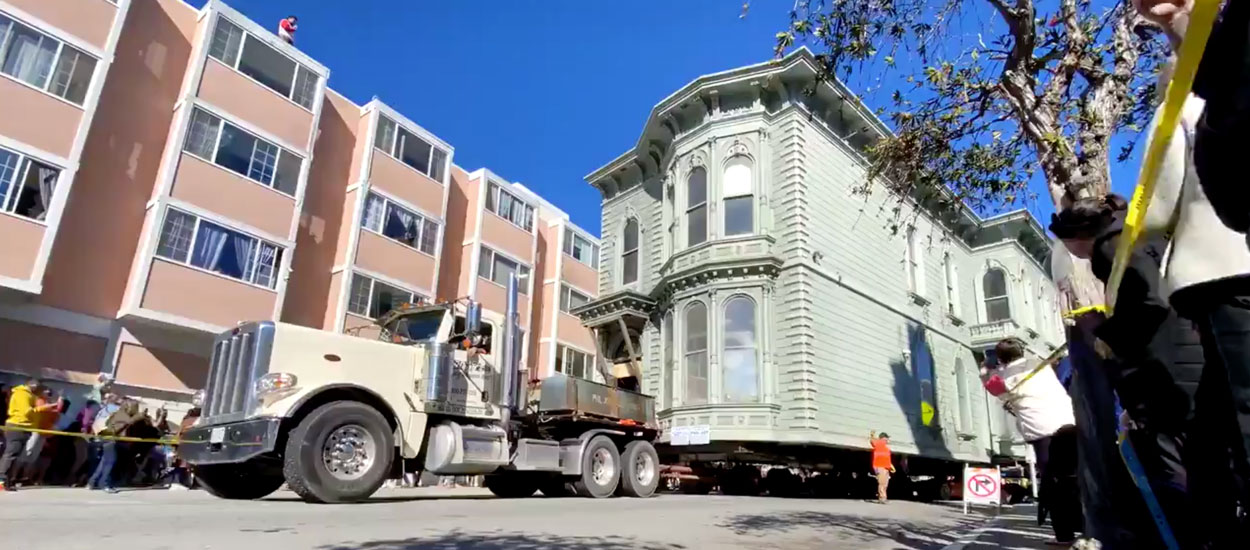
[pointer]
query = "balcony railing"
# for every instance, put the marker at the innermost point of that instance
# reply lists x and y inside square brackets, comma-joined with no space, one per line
[994,331]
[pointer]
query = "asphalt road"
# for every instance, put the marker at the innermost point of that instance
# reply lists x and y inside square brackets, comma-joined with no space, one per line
[463,519]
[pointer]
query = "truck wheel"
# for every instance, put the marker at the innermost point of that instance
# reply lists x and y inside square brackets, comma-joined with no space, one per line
[641,469]
[511,485]
[246,481]
[341,452]
[601,468]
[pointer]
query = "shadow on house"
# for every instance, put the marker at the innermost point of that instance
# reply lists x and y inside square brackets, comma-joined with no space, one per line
[915,389]
[457,540]
[850,529]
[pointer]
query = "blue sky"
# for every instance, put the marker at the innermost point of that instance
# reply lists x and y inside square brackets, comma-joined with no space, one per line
[540,92]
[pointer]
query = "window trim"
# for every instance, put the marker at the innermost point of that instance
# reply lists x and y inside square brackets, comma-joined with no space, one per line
[424,136]
[636,251]
[195,232]
[373,280]
[493,189]
[522,289]
[755,341]
[403,206]
[23,168]
[689,208]
[686,352]
[243,44]
[1006,295]
[56,60]
[566,288]
[570,240]
[950,272]
[913,262]
[748,196]
[561,358]
[217,149]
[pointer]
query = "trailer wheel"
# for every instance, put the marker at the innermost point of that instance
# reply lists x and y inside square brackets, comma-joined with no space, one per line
[640,472]
[511,485]
[340,452]
[246,481]
[601,469]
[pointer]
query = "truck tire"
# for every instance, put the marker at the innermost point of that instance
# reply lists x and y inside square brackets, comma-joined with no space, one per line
[246,481]
[640,469]
[511,485]
[340,452]
[601,468]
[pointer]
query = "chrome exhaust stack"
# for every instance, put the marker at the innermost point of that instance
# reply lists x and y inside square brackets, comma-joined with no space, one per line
[510,355]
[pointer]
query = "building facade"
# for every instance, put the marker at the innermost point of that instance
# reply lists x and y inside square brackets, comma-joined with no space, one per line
[167,172]
[772,300]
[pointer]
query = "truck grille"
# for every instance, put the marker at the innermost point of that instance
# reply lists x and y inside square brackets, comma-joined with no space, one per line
[240,356]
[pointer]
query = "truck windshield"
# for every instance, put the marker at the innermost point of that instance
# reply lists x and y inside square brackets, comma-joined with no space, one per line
[419,327]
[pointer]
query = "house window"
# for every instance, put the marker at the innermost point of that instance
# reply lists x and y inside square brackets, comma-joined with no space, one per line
[666,385]
[372,298]
[965,397]
[696,207]
[736,196]
[410,149]
[26,185]
[629,252]
[509,207]
[695,324]
[44,62]
[571,299]
[951,273]
[994,287]
[399,224]
[915,263]
[581,249]
[251,56]
[572,362]
[191,240]
[228,146]
[496,267]
[741,364]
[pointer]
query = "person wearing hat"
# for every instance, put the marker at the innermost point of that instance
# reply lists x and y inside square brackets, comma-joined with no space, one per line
[882,465]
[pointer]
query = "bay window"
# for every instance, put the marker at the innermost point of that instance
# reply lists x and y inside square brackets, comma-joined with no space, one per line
[741,364]
[410,149]
[251,56]
[44,62]
[696,207]
[509,207]
[737,198]
[228,146]
[191,240]
[373,298]
[386,218]
[496,267]
[26,185]
[580,248]
[695,348]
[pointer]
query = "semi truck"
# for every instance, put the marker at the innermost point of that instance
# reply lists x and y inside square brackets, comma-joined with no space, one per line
[332,416]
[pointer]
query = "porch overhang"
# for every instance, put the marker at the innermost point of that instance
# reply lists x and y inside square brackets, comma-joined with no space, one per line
[623,304]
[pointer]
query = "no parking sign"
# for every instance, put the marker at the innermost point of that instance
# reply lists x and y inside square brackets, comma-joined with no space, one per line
[982,486]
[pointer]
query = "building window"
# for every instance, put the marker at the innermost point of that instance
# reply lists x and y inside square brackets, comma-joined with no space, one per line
[965,397]
[915,263]
[1030,312]
[581,249]
[44,62]
[384,217]
[629,252]
[997,303]
[197,242]
[741,364]
[251,56]
[509,207]
[572,362]
[26,185]
[736,194]
[951,274]
[696,207]
[372,298]
[228,146]
[571,299]
[695,324]
[666,385]
[410,149]
[496,267]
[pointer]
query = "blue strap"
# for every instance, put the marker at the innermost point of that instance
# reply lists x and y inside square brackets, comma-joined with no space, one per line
[1136,470]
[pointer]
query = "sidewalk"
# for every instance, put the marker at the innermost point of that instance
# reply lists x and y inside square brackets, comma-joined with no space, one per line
[1015,529]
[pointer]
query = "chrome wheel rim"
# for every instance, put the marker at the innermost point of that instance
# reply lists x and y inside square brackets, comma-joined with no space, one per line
[603,467]
[349,452]
[644,469]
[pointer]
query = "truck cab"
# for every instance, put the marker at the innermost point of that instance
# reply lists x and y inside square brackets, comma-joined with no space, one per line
[334,415]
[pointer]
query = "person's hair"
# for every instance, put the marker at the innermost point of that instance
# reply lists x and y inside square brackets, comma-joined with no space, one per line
[292,17]
[1086,217]
[883,435]
[1009,350]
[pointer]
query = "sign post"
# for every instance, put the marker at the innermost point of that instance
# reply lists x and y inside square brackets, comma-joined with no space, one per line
[982,486]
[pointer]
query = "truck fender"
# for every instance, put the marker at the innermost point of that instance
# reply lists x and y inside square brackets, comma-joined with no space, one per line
[351,392]
[571,449]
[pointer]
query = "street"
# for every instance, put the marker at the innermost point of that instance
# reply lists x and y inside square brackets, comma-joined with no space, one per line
[447,519]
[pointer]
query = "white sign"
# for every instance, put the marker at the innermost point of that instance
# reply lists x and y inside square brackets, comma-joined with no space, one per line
[982,486]
[691,435]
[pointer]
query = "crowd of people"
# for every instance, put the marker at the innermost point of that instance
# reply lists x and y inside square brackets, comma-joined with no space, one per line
[104,442]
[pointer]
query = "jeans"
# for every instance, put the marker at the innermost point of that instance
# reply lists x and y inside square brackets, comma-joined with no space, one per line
[14,447]
[103,476]
[1056,470]
[883,482]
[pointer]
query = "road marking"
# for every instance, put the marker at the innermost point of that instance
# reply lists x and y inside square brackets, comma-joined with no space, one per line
[972,536]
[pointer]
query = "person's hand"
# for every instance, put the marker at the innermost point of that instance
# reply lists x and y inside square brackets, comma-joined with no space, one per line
[1172,15]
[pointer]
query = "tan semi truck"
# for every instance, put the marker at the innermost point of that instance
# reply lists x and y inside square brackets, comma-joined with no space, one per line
[334,415]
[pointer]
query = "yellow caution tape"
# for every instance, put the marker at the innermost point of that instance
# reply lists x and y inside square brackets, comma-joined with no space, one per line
[162,441]
[1087,309]
[1201,20]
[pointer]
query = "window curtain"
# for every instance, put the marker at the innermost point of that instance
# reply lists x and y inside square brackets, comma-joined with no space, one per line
[30,56]
[209,246]
[402,225]
[373,212]
[47,184]
[266,265]
[245,257]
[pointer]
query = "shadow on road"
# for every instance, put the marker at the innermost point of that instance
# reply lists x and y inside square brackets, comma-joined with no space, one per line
[844,528]
[390,499]
[457,540]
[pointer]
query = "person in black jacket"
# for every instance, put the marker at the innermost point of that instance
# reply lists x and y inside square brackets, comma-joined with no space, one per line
[1158,355]
[1220,136]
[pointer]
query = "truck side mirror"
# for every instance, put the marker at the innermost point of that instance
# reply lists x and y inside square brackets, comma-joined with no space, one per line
[473,317]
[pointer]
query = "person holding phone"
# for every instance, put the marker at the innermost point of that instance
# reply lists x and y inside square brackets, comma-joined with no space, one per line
[23,411]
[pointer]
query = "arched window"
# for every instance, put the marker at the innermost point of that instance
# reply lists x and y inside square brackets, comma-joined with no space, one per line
[629,252]
[696,207]
[994,287]
[741,372]
[695,326]
[736,196]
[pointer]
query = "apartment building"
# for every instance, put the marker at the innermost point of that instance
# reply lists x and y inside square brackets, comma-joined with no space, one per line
[168,171]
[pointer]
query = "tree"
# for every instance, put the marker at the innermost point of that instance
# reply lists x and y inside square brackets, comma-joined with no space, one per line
[988,95]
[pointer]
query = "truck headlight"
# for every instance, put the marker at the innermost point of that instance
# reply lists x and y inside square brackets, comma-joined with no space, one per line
[198,399]
[274,383]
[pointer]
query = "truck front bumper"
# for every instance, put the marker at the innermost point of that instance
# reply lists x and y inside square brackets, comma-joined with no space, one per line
[227,443]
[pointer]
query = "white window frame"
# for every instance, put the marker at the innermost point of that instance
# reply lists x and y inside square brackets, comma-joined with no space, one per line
[564,353]
[725,348]
[566,297]
[413,296]
[239,56]
[20,172]
[221,127]
[692,207]
[195,233]
[686,352]
[494,196]
[1005,297]
[914,263]
[387,201]
[636,251]
[950,271]
[571,239]
[487,269]
[46,87]
[748,196]
[396,143]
